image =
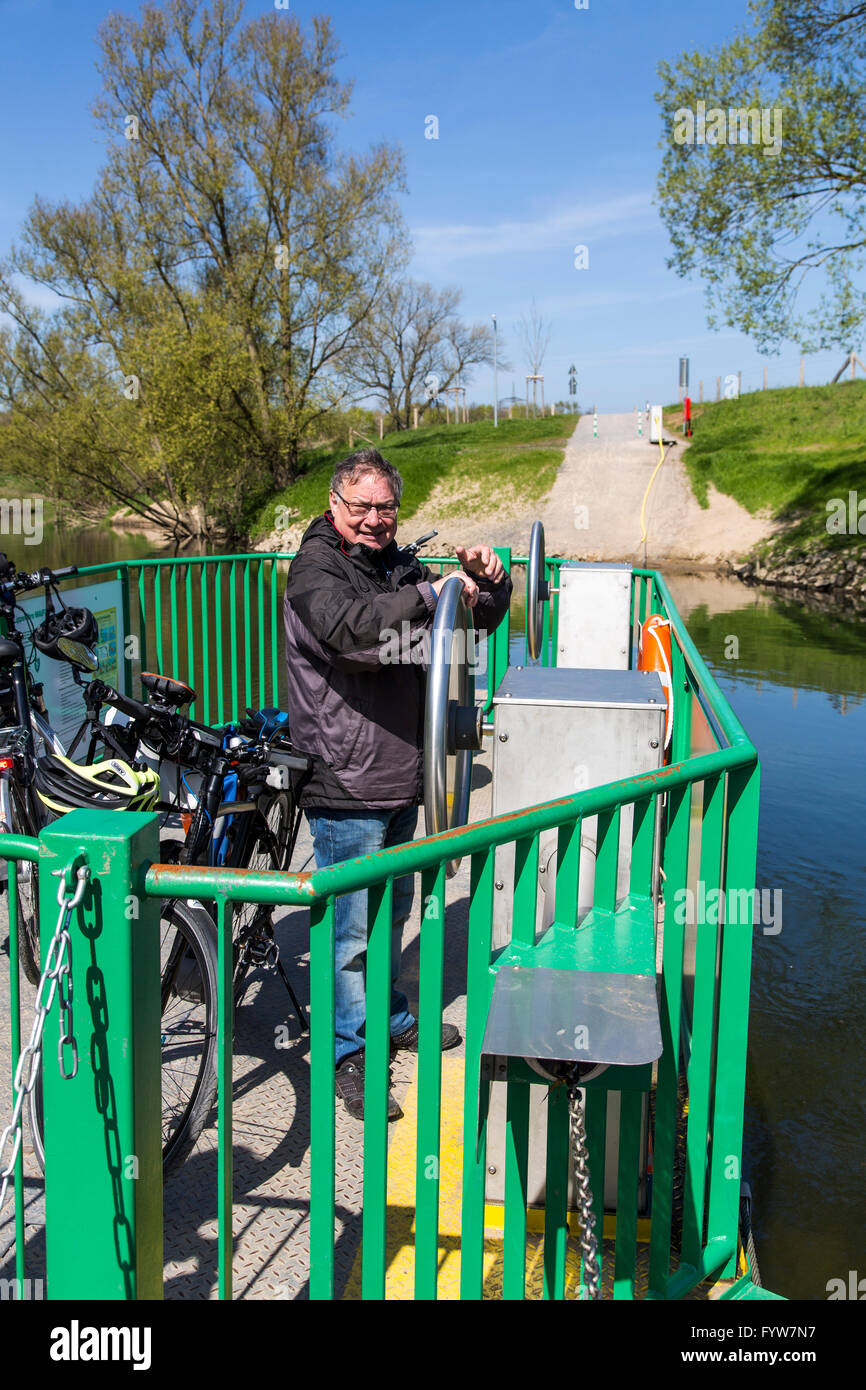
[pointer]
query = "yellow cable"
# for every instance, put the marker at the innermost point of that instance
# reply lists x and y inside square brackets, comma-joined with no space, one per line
[647,493]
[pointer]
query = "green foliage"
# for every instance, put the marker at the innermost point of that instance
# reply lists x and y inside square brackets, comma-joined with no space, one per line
[516,462]
[787,452]
[210,286]
[768,224]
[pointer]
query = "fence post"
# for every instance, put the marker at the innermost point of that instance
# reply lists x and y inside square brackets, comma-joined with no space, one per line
[103,1127]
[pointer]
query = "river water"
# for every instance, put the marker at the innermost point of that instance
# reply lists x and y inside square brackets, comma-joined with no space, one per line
[798,684]
[797,681]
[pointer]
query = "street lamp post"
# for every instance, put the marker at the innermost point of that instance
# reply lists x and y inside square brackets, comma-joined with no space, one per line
[495,387]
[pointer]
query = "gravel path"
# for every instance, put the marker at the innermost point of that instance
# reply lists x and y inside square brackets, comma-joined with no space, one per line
[593,511]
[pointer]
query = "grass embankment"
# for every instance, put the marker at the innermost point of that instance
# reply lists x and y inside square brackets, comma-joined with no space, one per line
[481,466]
[787,452]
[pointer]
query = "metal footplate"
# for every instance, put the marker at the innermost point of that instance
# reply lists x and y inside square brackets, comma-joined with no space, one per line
[572,1016]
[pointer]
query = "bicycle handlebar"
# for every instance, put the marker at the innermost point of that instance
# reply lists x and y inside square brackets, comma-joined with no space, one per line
[127,704]
[22,580]
[101,693]
[298,762]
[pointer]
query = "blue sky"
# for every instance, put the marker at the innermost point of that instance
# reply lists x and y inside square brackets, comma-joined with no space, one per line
[549,138]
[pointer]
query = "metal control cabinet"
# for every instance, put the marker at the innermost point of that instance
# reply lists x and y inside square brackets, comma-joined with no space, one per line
[557,731]
[594,615]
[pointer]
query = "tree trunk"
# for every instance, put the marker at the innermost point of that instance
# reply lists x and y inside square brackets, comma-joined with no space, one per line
[285,469]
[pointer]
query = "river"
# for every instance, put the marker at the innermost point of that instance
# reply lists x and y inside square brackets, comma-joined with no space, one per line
[798,684]
[797,680]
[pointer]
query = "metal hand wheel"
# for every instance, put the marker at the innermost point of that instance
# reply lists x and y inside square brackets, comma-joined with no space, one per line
[537,591]
[452,723]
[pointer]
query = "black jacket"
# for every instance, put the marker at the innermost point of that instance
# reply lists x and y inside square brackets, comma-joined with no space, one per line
[356,709]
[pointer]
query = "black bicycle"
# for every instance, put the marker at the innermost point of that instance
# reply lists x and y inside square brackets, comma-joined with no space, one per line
[25,731]
[243,816]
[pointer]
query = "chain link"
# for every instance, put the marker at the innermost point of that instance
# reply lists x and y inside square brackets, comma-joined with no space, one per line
[56,978]
[591,1278]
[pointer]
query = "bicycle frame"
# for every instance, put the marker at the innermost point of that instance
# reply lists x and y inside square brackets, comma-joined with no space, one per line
[19,760]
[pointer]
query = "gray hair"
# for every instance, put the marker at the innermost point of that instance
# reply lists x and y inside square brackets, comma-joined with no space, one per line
[363,462]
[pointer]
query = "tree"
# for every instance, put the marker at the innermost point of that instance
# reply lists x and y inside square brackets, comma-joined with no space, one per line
[413,346]
[209,288]
[534,336]
[763,180]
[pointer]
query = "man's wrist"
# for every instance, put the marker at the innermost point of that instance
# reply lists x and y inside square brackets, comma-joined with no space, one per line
[429,595]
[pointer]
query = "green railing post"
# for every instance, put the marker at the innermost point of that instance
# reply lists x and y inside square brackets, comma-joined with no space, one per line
[103,1152]
[497,642]
[733,1011]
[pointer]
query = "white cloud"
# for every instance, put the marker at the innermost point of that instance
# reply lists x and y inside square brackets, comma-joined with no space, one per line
[559,228]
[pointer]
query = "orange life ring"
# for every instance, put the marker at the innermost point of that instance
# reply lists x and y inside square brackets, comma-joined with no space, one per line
[654,654]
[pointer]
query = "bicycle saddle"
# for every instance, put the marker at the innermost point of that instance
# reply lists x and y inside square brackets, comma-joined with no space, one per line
[167,690]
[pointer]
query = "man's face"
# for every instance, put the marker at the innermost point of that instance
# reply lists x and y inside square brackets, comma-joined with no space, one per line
[370,528]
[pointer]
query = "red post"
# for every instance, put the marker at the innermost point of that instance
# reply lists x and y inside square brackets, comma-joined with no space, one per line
[687,416]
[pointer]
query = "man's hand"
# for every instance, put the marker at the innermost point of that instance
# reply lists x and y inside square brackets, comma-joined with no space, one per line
[481,560]
[470,588]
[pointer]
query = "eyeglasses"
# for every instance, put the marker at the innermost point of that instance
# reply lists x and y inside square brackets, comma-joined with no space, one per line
[388,510]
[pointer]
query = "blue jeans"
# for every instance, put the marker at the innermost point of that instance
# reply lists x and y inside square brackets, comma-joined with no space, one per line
[340,835]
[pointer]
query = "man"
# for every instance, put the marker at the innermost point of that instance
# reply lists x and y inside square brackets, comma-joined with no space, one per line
[360,714]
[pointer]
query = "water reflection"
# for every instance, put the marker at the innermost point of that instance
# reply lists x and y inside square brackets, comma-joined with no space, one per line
[798,686]
[78,545]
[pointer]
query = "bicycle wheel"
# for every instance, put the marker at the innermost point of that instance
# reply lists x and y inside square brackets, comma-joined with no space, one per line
[188,965]
[188,1027]
[28,886]
[261,844]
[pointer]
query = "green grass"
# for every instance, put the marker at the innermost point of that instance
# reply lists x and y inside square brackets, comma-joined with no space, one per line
[481,467]
[786,452]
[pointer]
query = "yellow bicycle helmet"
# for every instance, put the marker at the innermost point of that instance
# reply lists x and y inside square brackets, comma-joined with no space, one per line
[63,785]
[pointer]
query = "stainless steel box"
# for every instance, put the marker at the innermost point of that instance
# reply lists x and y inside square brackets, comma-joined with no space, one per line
[594,615]
[558,731]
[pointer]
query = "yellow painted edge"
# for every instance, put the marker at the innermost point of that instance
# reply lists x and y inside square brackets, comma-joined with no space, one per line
[494,1217]
[400,1236]
[400,1275]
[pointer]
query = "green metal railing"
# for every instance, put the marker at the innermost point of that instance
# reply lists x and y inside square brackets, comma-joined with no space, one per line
[216,622]
[705,803]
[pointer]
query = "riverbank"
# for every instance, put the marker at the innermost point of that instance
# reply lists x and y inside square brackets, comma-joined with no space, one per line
[588,485]
[468,482]
[835,576]
[798,457]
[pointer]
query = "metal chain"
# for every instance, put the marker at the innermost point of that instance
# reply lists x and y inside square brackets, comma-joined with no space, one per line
[580,1158]
[57,977]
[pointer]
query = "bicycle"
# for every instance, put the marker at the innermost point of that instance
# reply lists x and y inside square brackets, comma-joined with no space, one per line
[243,814]
[25,732]
[257,833]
